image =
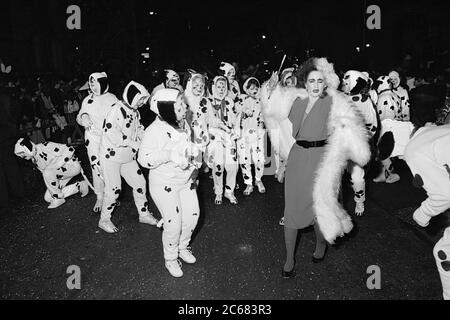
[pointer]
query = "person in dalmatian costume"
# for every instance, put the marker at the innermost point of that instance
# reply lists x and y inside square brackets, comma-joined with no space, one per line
[357,84]
[230,73]
[250,145]
[425,150]
[121,138]
[173,160]
[58,166]
[91,116]
[389,107]
[172,80]
[224,130]
[402,93]
[198,107]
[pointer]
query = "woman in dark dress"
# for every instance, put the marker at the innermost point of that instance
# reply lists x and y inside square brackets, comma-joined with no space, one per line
[309,119]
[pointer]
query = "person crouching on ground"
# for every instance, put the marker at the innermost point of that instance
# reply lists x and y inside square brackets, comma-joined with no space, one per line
[173,161]
[58,166]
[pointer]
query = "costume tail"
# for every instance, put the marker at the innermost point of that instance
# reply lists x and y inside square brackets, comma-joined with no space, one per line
[87,180]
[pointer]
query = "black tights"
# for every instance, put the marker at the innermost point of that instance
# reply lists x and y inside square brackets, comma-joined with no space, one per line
[290,238]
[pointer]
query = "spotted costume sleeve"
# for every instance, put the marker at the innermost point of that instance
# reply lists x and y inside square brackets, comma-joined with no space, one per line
[113,130]
[151,153]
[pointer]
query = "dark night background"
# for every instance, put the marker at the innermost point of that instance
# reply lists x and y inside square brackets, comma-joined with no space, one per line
[189,34]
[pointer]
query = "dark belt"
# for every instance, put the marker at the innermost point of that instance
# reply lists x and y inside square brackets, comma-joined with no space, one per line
[311,144]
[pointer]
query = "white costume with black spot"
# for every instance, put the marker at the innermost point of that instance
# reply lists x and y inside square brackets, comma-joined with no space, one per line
[57,164]
[428,157]
[250,145]
[96,106]
[224,130]
[402,94]
[199,107]
[233,91]
[388,105]
[122,134]
[357,84]
[173,161]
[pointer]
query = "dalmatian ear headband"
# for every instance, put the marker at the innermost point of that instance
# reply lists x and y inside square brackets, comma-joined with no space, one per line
[134,92]
[163,96]
[226,67]
[24,148]
[98,83]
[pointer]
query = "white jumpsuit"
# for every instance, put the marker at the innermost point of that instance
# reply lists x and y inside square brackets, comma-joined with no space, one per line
[250,145]
[122,134]
[171,187]
[58,166]
[428,157]
[96,107]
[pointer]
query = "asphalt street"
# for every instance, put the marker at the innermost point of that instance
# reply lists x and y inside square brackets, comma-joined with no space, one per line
[240,251]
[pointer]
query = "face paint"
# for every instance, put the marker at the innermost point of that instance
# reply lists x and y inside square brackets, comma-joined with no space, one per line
[253,91]
[315,84]
[180,108]
[198,87]
[221,87]
[231,74]
[140,102]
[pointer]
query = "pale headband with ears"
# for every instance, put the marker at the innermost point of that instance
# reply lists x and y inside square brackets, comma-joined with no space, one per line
[23,148]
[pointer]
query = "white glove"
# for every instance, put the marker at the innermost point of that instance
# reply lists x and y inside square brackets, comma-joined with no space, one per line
[420,218]
[86,121]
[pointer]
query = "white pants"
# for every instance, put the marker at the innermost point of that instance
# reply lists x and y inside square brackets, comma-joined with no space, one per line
[93,151]
[358,182]
[178,205]
[56,181]
[441,253]
[224,158]
[112,172]
[248,153]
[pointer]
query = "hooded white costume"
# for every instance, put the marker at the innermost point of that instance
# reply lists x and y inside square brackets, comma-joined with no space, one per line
[121,138]
[199,106]
[229,72]
[388,105]
[402,94]
[356,84]
[224,130]
[347,140]
[58,166]
[91,116]
[173,161]
[171,81]
[250,145]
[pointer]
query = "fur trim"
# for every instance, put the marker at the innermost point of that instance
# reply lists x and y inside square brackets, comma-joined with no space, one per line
[275,107]
[348,140]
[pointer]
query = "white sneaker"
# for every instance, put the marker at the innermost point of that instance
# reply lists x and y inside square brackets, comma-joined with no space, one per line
[56,203]
[359,208]
[281,223]
[218,199]
[174,268]
[107,226]
[230,196]
[187,255]
[84,188]
[261,188]
[148,219]
[248,190]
